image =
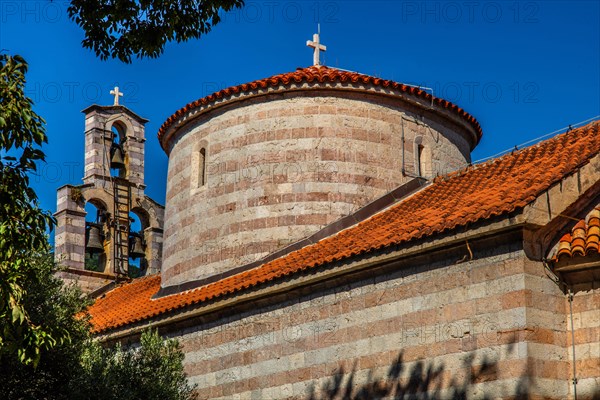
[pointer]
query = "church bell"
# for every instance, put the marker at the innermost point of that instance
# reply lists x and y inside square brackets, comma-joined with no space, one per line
[94,238]
[136,246]
[116,158]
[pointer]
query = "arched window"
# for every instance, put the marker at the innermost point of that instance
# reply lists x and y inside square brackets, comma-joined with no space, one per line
[198,168]
[420,161]
[202,167]
[419,157]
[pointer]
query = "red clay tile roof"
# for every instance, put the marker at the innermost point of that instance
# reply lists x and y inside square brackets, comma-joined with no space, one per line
[476,193]
[583,240]
[321,74]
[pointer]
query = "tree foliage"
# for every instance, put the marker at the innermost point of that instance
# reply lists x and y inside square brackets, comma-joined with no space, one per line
[122,28]
[23,224]
[45,340]
[152,371]
[53,304]
[79,368]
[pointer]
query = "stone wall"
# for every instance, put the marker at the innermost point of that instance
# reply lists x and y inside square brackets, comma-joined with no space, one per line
[98,189]
[278,168]
[99,122]
[586,321]
[494,327]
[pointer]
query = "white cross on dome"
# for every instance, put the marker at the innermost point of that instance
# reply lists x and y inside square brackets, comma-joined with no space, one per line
[317,46]
[117,94]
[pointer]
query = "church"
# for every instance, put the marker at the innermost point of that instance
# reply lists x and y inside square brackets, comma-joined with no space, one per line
[326,236]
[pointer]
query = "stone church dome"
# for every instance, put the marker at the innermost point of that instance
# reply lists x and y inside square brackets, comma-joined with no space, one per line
[256,167]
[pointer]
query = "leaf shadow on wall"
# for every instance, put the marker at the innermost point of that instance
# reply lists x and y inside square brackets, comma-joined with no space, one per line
[424,380]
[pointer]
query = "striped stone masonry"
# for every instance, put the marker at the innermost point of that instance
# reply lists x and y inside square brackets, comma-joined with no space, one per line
[586,323]
[99,136]
[69,239]
[494,327]
[277,168]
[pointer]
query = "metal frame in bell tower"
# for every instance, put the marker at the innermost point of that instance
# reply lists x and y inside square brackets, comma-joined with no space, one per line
[114,181]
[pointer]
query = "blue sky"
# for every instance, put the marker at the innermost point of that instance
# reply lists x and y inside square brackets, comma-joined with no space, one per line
[522,68]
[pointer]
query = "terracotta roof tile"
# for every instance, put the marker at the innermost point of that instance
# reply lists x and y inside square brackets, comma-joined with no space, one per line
[476,193]
[321,74]
[583,240]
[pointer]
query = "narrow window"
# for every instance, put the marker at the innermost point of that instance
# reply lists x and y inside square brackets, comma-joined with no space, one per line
[420,162]
[202,167]
[419,157]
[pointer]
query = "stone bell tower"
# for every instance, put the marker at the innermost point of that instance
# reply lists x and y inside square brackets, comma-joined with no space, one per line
[99,249]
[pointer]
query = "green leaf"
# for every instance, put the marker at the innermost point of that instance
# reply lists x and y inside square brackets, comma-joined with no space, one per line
[17,315]
[22,223]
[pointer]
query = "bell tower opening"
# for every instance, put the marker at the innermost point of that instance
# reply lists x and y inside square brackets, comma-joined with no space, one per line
[118,167]
[138,264]
[96,239]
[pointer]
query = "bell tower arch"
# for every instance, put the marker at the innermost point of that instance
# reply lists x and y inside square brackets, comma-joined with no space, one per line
[114,140]
[114,178]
